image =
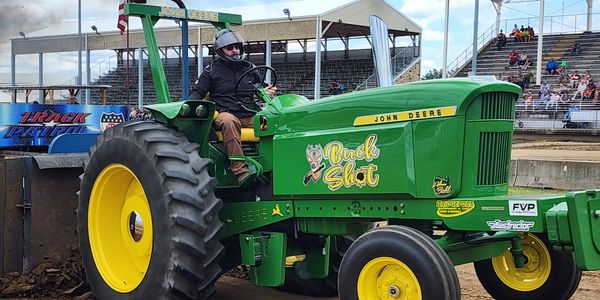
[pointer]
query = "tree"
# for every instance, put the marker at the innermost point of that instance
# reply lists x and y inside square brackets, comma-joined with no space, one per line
[432,74]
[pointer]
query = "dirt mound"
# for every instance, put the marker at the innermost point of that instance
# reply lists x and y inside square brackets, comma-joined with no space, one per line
[64,279]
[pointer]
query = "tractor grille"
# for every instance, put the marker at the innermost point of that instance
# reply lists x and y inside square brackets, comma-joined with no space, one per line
[497,106]
[494,149]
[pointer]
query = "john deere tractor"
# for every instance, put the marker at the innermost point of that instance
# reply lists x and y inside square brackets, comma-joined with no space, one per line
[369,195]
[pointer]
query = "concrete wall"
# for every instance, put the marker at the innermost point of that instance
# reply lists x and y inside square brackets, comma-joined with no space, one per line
[569,175]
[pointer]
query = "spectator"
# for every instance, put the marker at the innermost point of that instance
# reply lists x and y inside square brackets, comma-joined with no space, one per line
[551,67]
[544,89]
[554,98]
[525,34]
[526,79]
[73,99]
[522,59]
[529,101]
[333,87]
[512,59]
[342,88]
[501,40]
[596,95]
[563,91]
[531,32]
[587,77]
[518,36]
[563,63]
[581,87]
[514,30]
[562,75]
[575,78]
[527,63]
[575,48]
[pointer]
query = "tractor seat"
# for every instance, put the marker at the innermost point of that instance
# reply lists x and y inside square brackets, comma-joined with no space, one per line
[247,134]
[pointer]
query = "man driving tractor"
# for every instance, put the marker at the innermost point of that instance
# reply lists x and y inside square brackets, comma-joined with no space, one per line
[235,111]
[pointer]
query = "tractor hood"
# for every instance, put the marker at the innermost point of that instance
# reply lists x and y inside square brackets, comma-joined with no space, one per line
[407,102]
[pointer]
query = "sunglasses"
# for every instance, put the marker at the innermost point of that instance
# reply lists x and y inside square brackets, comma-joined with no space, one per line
[230,48]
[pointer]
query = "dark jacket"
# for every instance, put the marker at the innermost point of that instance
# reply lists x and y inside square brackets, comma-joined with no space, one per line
[219,79]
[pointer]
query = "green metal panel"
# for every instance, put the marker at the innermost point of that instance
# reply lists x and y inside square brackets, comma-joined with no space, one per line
[316,263]
[174,13]
[432,160]
[362,160]
[333,226]
[584,212]
[461,251]
[246,216]
[268,250]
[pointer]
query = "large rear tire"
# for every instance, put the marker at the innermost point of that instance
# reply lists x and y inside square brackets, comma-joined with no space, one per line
[547,274]
[147,217]
[397,262]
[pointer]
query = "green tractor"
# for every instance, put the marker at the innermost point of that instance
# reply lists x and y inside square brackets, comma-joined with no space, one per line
[371,195]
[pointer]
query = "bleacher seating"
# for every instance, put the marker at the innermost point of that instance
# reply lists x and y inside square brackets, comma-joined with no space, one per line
[493,62]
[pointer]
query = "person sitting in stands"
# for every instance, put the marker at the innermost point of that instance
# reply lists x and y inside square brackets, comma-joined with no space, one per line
[563,91]
[575,78]
[580,89]
[554,98]
[529,101]
[527,63]
[518,36]
[501,40]
[544,89]
[588,94]
[596,99]
[512,59]
[333,88]
[341,88]
[525,34]
[587,77]
[522,59]
[551,67]
[575,48]
[514,30]
[526,79]
[562,75]
[531,32]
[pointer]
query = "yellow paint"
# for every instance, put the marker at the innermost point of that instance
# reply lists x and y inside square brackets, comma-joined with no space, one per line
[276,211]
[382,274]
[450,208]
[121,261]
[348,175]
[420,114]
[291,260]
[535,272]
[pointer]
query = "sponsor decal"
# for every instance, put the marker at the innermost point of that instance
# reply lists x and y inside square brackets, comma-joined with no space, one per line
[109,120]
[47,124]
[510,225]
[441,186]
[449,208]
[338,166]
[276,211]
[492,208]
[420,114]
[522,208]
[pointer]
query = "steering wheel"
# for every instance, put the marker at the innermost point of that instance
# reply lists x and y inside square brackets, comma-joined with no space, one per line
[256,85]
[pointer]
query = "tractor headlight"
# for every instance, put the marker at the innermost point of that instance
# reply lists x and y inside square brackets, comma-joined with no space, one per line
[185,110]
[200,111]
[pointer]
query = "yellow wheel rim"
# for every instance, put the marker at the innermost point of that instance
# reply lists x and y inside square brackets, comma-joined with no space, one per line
[120,228]
[387,278]
[535,272]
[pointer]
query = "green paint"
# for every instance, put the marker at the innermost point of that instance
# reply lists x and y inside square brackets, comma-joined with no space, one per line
[245,216]
[265,253]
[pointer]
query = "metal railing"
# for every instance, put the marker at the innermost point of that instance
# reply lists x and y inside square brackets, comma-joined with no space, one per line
[98,70]
[461,60]
[399,62]
[573,23]
[556,116]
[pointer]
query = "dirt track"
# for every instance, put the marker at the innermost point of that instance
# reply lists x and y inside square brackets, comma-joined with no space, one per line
[569,151]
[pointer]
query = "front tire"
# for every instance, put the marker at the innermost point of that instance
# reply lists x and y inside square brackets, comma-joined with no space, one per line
[147,217]
[397,262]
[547,274]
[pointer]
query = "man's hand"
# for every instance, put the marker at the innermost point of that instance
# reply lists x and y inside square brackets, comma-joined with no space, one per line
[271,90]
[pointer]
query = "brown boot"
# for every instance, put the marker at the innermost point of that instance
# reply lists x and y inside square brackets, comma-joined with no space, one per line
[242,177]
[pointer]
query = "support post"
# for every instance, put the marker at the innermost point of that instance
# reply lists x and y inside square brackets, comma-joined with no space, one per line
[538,72]
[13,74]
[445,51]
[475,30]
[268,58]
[79,46]
[141,78]
[200,54]
[88,71]
[319,30]
[589,16]
[41,77]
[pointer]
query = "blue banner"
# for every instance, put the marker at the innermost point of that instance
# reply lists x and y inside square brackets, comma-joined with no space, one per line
[39,124]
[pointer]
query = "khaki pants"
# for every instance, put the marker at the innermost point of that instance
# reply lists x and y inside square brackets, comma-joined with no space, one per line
[231,127]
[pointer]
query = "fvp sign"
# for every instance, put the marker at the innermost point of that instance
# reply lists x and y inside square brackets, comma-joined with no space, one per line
[523,208]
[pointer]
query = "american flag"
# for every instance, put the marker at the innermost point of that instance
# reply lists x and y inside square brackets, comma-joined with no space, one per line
[123,19]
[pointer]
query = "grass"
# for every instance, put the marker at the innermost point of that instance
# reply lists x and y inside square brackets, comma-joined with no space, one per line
[527,190]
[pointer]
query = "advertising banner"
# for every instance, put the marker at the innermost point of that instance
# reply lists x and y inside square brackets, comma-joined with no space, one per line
[39,124]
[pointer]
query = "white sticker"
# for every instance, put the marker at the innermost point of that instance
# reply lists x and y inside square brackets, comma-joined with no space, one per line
[525,208]
[510,225]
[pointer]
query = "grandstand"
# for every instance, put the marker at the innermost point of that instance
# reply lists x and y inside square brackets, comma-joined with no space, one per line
[493,62]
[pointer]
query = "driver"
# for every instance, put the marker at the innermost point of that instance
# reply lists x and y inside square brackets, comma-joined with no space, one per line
[218,80]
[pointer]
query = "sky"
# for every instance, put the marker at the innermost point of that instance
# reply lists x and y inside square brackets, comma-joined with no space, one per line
[47,17]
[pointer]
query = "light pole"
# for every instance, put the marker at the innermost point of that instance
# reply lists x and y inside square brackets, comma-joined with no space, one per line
[79,42]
